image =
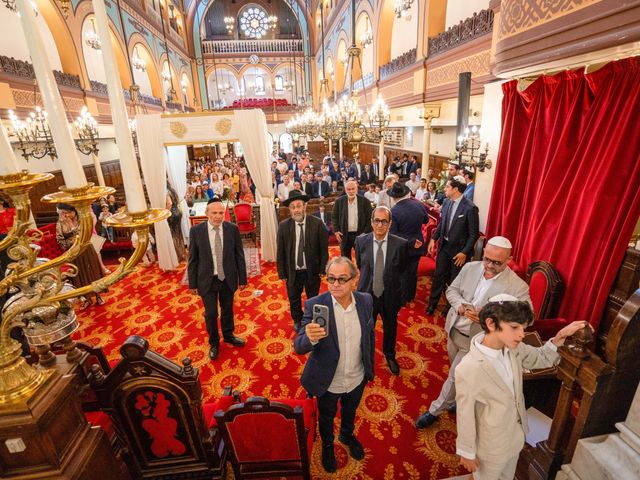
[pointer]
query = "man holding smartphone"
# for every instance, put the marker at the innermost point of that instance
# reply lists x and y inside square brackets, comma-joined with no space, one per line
[341,359]
[469,292]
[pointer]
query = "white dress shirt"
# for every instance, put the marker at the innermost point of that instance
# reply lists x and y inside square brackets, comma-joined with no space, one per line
[352,214]
[212,239]
[350,369]
[420,194]
[283,191]
[304,256]
[371,196]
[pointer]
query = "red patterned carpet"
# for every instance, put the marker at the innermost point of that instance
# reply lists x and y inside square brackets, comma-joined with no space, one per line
[154,304]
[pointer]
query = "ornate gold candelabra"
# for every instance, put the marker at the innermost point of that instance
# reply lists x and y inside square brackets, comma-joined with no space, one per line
[41,287]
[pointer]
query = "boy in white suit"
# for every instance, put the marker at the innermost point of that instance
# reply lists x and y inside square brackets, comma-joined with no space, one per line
[491,417]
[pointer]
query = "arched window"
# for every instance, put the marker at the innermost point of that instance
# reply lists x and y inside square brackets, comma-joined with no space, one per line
[279,86]
[259,85]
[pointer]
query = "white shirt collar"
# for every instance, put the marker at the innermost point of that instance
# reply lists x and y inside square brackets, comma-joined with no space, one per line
[211,227]
[386,237]
[488,351]
[351,306]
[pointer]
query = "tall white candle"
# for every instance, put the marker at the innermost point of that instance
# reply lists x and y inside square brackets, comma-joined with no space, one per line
[8,160]
[128,161]
[67,154]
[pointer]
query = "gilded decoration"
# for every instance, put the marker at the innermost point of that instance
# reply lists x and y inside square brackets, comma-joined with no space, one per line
[477,64]
[178,129]
[517,16]
[223,126]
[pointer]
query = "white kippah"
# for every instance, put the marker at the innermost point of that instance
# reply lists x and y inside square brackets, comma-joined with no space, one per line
[459,178]
[501,242]
[503,297]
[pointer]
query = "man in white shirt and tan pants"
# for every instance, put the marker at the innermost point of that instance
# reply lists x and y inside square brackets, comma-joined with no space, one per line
[476,283]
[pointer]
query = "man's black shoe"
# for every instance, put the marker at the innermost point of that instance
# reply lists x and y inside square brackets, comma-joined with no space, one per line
[297,326]
[431,310]
[329,459]
[425,420]
[213,352]
[355,447]
[394,368]
[235,341]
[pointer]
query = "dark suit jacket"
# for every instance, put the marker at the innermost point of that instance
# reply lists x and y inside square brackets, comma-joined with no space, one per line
[316,247]
[413,167]
[200,266]
[321,189]
[326,220]
[394,266]
[464,230]
[367,178]
[307,189]
[437,197]
[408,217]
[321,365]
[340,220]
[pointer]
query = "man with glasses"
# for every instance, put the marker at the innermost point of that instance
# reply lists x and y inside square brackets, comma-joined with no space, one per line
[469,292]
[350,217]
[382,259]
[341,360]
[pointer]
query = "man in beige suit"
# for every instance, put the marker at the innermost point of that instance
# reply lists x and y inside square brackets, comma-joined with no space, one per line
[476,283]
[491,417]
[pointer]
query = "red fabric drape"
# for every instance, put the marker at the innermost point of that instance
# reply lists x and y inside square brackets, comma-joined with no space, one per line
[567,183]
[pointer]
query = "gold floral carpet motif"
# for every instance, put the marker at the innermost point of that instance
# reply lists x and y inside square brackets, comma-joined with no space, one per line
[157,306]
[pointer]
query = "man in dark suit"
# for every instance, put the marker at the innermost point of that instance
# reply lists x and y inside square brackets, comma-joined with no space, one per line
[408,216]
[456,233]
[216,268]
[381,258]
[324,216]
[351,217]
[302,253]
[341,360]
[305,185]
[367,176]
[320,188]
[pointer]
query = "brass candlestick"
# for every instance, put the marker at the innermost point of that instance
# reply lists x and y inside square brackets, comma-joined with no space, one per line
[42,285]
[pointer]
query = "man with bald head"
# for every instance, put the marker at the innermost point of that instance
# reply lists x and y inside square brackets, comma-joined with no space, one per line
[350,217]
[476,283]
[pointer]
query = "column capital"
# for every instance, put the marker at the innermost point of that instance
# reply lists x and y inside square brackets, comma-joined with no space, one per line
[429,111]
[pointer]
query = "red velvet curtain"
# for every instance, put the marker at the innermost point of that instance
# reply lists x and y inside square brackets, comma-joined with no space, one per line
[567,183]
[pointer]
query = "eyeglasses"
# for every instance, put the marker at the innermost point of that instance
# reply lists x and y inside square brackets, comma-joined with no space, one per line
[380,221]
[340,280]
[495,263]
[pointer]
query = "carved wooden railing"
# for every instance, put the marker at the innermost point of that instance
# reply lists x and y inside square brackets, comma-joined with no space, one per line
[476,26]
[251,46]
[400,63]
[364,82]
[150,100]
[20,68]
[98,87]
[595,394]
[173,106]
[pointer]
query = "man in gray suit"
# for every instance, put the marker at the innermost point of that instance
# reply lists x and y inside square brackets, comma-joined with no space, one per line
[476,283]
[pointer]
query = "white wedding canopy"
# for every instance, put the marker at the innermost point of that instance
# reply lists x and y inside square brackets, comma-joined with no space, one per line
[156,133]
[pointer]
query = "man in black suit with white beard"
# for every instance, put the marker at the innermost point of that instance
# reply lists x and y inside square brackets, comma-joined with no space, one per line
[302,253]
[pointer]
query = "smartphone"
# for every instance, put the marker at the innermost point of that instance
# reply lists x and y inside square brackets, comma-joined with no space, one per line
[321,317]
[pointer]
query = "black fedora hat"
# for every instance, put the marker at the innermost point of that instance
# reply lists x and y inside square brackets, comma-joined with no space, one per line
[398,190]
[295,195]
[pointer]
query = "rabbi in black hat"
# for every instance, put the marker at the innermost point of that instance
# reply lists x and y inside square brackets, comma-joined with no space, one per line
[408,216]
[303,252]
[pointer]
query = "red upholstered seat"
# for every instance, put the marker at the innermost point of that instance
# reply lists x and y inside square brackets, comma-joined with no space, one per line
[244,219]
[102,420]
[310,412]
[283,446]
[545,289]
[210,408]
[49,247]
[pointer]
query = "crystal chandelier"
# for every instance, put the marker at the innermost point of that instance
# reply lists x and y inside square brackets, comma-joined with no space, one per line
[401,8]
[229,23]
[273,22]
[366,39]
[166,76]
[93,39]
[34,135]
[87,129]
[379,117]
[137,62]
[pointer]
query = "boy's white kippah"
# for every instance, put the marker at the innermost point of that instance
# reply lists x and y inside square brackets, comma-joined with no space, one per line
[501,242]
[503,297]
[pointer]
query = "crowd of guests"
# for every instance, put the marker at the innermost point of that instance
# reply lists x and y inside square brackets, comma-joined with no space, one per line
[226,177]
[487,305]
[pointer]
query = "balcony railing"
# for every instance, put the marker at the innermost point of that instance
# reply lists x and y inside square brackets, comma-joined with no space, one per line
[473,27]
[364,82]
[251,46]
[400,63]
[23,69]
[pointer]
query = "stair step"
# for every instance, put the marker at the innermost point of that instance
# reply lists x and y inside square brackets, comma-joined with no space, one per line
[605,457]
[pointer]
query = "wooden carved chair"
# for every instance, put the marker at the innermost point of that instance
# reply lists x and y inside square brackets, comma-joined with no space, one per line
[268,439]
[156,409]
[545,288]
